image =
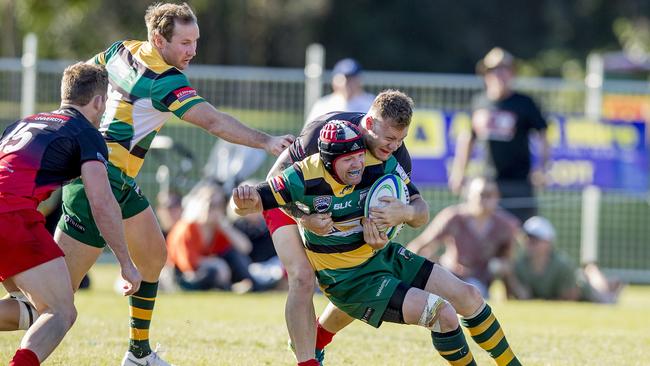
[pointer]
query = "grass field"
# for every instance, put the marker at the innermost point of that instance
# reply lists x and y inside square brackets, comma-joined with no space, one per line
[227,329]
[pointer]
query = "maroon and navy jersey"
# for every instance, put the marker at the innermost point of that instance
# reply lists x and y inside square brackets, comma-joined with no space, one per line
[41,152]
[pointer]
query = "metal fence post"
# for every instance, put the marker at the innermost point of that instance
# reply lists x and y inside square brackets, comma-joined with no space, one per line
[589,225]
[314,63]
[594,83]
[29,61]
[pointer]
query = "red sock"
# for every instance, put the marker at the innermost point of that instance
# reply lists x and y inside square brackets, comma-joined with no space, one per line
[24,357]
[311,362]
[323,336]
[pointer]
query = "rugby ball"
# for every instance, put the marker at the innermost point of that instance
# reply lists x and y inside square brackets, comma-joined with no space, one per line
[389,185]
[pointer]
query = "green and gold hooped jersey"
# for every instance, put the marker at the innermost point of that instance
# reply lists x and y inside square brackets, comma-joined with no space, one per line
[143,93]
[314,190]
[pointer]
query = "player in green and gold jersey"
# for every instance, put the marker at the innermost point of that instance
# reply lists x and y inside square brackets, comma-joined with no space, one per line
[147,87]
[358,269]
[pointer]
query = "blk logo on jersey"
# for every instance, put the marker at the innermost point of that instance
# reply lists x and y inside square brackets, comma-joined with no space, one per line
[342,205]
[322,204]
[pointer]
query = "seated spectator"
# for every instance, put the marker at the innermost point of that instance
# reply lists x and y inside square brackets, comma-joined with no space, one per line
[544,272]
[477,236]
[206,249]
[254,227]
[266,266]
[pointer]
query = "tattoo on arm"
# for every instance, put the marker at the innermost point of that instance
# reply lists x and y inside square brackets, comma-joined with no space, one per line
[293,210]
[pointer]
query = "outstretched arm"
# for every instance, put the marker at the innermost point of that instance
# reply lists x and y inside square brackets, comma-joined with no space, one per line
[232,130]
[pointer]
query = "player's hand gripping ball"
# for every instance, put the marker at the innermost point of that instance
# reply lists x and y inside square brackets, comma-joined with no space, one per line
[389,185]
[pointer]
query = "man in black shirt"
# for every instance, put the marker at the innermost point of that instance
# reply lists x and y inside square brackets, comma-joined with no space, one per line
[502,121]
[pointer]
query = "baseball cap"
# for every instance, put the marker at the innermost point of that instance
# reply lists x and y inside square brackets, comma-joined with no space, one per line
[497,57]
[539,227]
[347,67]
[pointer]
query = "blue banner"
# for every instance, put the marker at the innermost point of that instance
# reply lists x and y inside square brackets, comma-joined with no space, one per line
[608,154]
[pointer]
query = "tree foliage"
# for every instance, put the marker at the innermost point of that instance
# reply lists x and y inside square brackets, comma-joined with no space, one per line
[552,36]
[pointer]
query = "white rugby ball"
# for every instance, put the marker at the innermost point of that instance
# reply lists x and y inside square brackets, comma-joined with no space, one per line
[389,185]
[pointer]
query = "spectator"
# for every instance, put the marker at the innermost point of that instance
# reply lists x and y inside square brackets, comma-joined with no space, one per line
[203,239]
[478,237]
[347,94]
[502,120]
[254,227]
[544,272]
[266,266]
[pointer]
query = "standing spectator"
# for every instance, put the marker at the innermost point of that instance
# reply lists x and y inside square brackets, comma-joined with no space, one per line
[502,120]
[347,94]
[478,237]
[544,272]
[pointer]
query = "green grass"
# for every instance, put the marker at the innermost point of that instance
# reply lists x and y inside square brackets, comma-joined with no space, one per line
[226,329]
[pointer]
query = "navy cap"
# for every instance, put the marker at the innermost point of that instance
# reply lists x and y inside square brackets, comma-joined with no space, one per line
[347,67]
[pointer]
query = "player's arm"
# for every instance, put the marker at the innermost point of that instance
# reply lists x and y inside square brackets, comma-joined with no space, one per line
[429,241]
[417,212]
[394,212]
[464,145]
[108,218]
[227,127]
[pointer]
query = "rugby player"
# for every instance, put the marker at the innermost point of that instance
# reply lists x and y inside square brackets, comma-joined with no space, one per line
[146,88]
[358,269]
[385,126]
[37,155]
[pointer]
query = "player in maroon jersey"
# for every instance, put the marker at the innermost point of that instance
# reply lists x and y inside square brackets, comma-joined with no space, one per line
[37,155]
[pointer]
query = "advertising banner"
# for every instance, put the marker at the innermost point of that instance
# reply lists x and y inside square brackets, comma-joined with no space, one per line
[609,154]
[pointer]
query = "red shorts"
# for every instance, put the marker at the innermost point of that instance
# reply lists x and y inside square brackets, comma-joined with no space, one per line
[276,218]
[24,242]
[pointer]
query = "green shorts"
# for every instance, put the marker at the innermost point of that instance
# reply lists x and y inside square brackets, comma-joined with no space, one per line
[364,292]
[77,219]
